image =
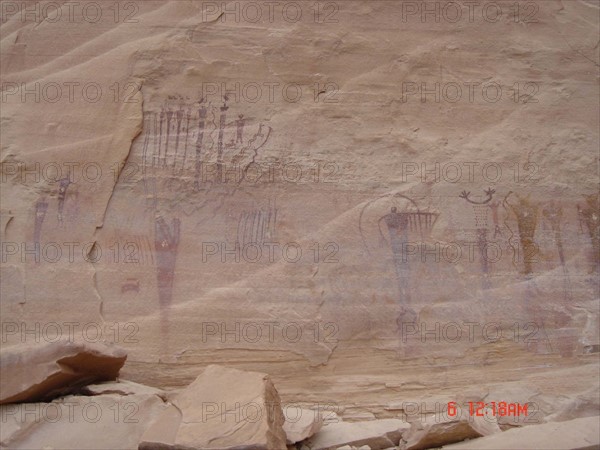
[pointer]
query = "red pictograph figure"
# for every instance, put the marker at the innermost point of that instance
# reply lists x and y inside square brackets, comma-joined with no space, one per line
[41,208]
[166,243]
[179,117]
[240,129]
[403,219]
[397,226]
[176,183]
[202,111]
[553,213]
[590,216]
[63,186]
[222,120]
[495,218]
[256,227]
[526,213]
[481,224]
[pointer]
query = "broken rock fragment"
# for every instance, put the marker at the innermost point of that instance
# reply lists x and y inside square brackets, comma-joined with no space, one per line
[223,408]
[439,430]
[44,372]
[377,434]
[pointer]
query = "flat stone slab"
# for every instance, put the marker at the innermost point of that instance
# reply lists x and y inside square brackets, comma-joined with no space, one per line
[223,408]
[578,434]
[377,434]
[40,373]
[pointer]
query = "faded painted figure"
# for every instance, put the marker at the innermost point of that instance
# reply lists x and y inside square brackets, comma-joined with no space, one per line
[166,244]
[590,215]
[397,225]
[526,213]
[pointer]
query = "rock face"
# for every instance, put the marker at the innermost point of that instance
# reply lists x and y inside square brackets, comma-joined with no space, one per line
[385,205]
[377,434]
[223,408]
[578,434]
[29,374]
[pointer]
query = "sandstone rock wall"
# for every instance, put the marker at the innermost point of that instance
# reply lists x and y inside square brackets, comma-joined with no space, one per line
[215,182]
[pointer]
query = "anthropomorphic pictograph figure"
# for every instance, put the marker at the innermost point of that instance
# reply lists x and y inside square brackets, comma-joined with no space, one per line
[397,226]
[166,243]
[553,214]
[63,186]
[481,209]
[526,213]
[590,216]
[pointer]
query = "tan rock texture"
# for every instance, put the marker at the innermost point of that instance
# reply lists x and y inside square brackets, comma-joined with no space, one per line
[577,434]
[437,430]
[384,205]
[377,434]
[223,408]
[101,422]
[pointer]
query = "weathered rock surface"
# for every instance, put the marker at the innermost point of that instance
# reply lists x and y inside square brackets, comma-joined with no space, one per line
[377,434]
[32,373]
[301,424]
[223,408]
[101,422]
[165,160]
[436,431]
[577,434]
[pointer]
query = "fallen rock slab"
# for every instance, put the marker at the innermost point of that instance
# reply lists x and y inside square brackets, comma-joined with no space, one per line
[301,424]
[30,374]
[223,408]
[100,422]
[578,434]
[377,434]
[439,430]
